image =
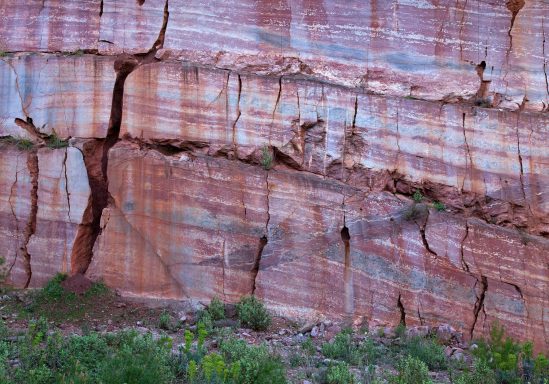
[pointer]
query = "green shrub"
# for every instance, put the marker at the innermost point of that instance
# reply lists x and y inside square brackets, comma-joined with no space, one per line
[257,365]
[501,354]
[481,374]
[165,321]
[339,374]
[417,196]
[216,309]
[266,158]
[139,360]
[439,206]
[54,142]
[343,348]
[20,142]
[411,371]
[426,350]
[252,313]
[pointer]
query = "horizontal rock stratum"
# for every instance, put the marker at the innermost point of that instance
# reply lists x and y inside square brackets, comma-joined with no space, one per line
[379,162]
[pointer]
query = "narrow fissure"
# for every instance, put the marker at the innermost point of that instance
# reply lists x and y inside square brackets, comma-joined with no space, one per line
[347,272]
[255,270]
[67,185]
[402,311]
[479,305]
[30,229]
[468,157]
[238,113]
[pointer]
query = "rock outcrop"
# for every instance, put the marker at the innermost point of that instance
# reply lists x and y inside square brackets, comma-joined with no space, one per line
[377,162]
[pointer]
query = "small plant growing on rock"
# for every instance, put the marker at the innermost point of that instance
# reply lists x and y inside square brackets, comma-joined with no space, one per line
[216,309]
[339,374]
[165,321]
[252,313]
[417,196]
[440,207]
[266,158]
[55,142]
[20,142]
[411,371]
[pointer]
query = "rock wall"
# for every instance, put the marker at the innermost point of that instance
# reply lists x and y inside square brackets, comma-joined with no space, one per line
[274,148]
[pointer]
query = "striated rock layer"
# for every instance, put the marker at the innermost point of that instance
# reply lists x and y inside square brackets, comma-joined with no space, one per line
[274,148]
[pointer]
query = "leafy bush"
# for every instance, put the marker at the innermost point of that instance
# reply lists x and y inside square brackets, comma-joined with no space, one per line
[54,142]
[165,321]
[339,374]
[266,158]
[216,309]
[426,350]
[411,371]
[343,348]
[257,364]
[501,354]
[252,313]
[439,206]
[481,374]
[20,142]
[417,196]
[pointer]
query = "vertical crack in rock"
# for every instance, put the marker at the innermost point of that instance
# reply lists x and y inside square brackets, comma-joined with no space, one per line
[14,214]
[67,185]
[159,43]
[422,227]
[347,271]
[96,161]
[30,229]
[238,112]
[519,155]
[461,25]
[101,9]
[514,6]
[464,264]
[277,98]
[402,310]
[397,140]
[544,61]
[255,270]
[468,157]
[479,305]
[354,114]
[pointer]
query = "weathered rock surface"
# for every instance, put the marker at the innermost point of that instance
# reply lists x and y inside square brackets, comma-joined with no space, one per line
[48,192]
[49,25]
[326,129]
[208,216]
[273,148]
[68,94]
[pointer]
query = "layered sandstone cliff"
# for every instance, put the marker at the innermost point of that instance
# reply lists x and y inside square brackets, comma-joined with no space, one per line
[173,109]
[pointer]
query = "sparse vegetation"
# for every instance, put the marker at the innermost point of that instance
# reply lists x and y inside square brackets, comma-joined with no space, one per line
[440,207]
[411,371]
[55,142]
[266,158]
[417,196]
[339,374]
[20,142]
[252,313]
[426,350]
[3,54]
[78,52]
[216,309]
[47,353]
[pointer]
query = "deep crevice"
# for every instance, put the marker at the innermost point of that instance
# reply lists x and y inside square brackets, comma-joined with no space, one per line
[402,310]
[479,305]
[255,270]
[101,9]
[347,271]
[30,229]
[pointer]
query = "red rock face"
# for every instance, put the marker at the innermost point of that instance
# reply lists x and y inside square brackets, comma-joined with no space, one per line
[273,148]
